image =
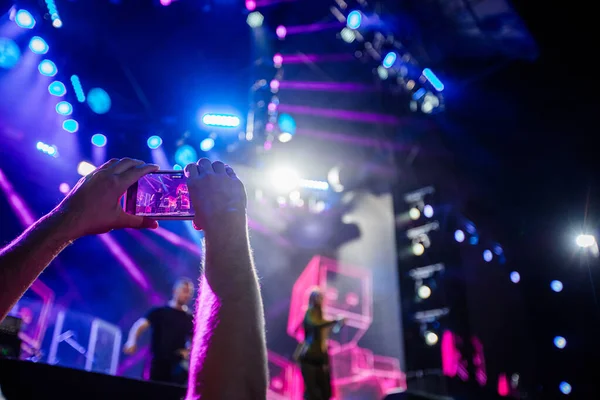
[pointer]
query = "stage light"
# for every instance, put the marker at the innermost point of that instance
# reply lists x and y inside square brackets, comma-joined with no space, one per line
[560,342]
[382,72]
[286,123]
[389,59]
[24,19]
[459,236]
[348,35]
[185,155]
[424,292]
[10,53]
[223,121]
[428,211]
[165,2]
[354,19]
[498,250]
[474,240]
[281,32]
[515,277]
[284,179]
[250,5]
[57,88]
[565,388]
[47,68]
[431,338]
[333,177]
[76,83]
[418,94]
[284,137]
[38,45]
[585,240]
[70,125]
[255,19]
[57,23]
[85,168]
[426,107]
[53,11]
[50,150]
[487,255]
[64,108]
[312,184]
[207,144]
[154,142]
[274,85]
[99,140]
[433,79]
[177,167]
[64,188]
[99,101]
[418,249]
[414,213]
[277,60]
[556,286]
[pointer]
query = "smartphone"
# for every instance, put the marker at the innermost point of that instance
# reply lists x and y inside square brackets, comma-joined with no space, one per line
[160,195]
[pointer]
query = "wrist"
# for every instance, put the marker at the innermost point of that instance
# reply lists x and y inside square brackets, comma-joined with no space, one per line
[227,222]
[64,225]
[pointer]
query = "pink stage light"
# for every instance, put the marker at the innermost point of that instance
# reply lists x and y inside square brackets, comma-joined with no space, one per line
[64,188]
[272,107]
[277,60]
[16,202]
[125,260]
[281,31]
[165,2]
[250,5]
[178,240]
[274,85]
[503,389]
[269,127]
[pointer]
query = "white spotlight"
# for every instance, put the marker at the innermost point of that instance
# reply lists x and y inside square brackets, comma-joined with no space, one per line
[255,19]
[285,180]
[585,240]
[348,35]
[424,291]
[418,249]
[85,168]
[414,213]
[285,137]
[428,211]
[431,338]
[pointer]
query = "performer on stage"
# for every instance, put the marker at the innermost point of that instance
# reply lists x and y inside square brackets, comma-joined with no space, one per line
[156,200]
[172,329]
[313,357]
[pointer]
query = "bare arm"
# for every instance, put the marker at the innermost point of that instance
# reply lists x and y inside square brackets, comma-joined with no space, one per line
[315,320]
[91,207]
[138,328]
[22,261]
[229,356]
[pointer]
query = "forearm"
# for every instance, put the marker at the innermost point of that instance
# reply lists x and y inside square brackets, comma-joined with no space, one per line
[23,260]
[136,330]
[229,351]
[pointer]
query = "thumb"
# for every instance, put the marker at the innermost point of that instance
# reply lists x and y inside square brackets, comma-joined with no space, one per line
[137,222]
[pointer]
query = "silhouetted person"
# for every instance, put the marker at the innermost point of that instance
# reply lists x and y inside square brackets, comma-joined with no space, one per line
[156,200]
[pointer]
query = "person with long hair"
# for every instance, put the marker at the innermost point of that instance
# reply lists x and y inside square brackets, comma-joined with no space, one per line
[313,357]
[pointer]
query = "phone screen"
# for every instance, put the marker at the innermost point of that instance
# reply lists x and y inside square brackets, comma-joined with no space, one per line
[161,195]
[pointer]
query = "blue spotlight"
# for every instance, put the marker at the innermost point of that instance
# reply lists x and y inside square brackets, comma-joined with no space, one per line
[515,277]
[487,255]
[70,125]
[78,88]
[99,140]
[38,45]
[207,144]
[224,121]
[556,286]
[286,123]
[433,79]
[177,167]
[154,142]
[64,108]
[185,155]
[459,236]
[354,19]
[565,388]
[47,68]
[99,101]
[389,59]
[418,94]
[24,19]
[57,88]
[9,53]
[560,342]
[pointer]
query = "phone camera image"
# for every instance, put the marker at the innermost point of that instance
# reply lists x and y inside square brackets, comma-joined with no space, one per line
[163,195]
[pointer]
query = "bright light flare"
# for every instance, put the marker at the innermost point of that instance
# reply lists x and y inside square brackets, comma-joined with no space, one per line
[64,108]
[24,19]
[57,88]
[515,277]
[38,45]
[284,179]
[207,144]
[418,249]
[47,68]
[565,388]
[560,342]
[424,292]
[255,19]
[556,286]
[389,59]
[219,120]
[354,19]
[64,188]
[585,241]
[431,338]
[459,236]
[99,140]
[85,168]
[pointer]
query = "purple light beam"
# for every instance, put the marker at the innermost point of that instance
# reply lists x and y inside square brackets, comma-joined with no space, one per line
[125,260]
[313,58]
[359,116]
[328,86]
[294,30]
[16,202]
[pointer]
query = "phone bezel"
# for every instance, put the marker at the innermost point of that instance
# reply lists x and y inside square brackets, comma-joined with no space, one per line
[131,199]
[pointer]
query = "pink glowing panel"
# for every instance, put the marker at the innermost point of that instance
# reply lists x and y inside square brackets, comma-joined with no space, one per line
[281,31]
[364,387]
[503,389]
[299,301]
[165,2]
[479,361]
[35,315]
[389,374]
[350,363]
[453,364]
[281,380]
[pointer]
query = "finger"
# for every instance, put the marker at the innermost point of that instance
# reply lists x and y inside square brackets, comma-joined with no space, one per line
[109,163]
[205,166]
[136,222]
[132,175]
[218,167]
[230,171]
[191,170]
[124,164]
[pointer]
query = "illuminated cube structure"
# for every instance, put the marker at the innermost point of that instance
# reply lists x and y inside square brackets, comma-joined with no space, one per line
[356,372]
[34,310]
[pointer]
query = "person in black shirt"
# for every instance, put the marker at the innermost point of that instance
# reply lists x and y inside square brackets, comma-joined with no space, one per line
[313,357]
[156,200]
[172,327]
